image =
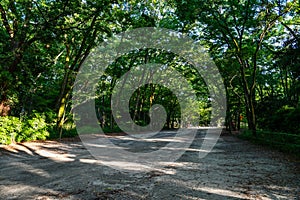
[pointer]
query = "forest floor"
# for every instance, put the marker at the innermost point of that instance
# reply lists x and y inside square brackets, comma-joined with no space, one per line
[235,169]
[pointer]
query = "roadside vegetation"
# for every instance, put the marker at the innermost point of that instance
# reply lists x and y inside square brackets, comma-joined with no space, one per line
[255,45]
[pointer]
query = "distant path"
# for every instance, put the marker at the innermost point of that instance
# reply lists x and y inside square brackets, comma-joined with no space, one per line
[235,169]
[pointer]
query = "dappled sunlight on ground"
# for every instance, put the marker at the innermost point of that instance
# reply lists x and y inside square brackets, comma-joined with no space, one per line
[234,169]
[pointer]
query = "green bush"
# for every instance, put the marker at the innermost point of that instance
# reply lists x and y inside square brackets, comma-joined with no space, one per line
[284,119]
[33,128]
[10,127]
[285,142]
[115,129]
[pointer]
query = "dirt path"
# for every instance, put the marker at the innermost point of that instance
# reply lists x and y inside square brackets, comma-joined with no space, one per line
[234,169]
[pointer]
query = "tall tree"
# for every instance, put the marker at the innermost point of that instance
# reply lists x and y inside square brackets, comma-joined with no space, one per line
[86,24]
[237,29]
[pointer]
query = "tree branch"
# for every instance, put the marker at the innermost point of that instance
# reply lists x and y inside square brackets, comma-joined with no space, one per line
[291,31]
[5,22]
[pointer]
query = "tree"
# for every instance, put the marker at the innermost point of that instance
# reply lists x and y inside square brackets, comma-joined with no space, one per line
[237,29]
[85,25]
[21,26]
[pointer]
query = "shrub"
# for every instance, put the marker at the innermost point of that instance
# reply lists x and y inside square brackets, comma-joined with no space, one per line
[115,129]
[284,119]
[33,128]
[30,128]
[10,127]
[285,142]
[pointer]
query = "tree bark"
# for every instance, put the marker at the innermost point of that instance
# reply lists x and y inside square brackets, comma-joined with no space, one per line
[62,102]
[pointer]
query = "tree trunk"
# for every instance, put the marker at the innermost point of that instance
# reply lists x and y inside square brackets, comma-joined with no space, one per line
[250,112]
[63,100]
[62,112]
[4,106]
[249,96]
[238,116]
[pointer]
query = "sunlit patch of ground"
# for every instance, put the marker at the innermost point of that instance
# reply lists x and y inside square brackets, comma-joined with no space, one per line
[235,169]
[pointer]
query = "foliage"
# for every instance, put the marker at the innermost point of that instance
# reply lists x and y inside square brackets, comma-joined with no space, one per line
[34,127]
[289,143]
[284,119]
[150,94]
[10,127]
[237,31]
[43,44]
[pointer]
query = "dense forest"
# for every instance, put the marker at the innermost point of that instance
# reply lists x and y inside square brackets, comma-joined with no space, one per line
[254,43]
